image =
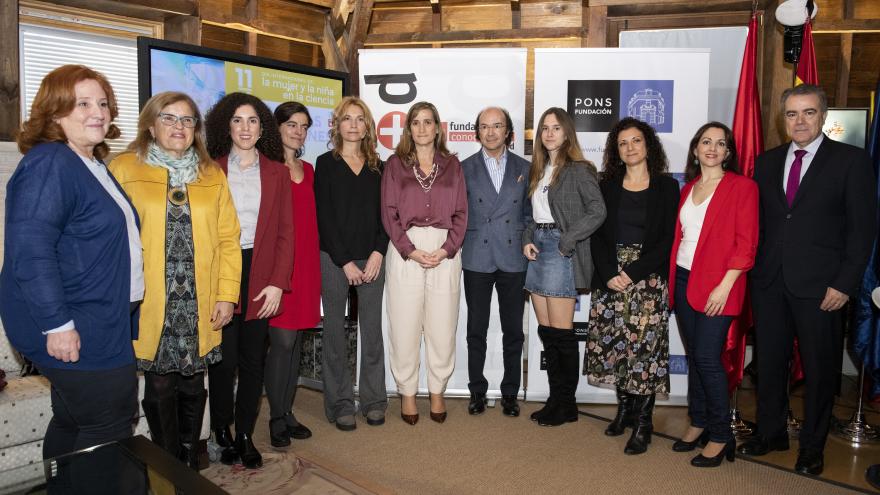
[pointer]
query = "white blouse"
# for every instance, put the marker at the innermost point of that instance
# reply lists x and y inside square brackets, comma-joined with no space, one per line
[246,189]
[540,201]
[691,217]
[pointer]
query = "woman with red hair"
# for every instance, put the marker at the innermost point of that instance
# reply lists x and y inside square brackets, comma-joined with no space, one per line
[73,269]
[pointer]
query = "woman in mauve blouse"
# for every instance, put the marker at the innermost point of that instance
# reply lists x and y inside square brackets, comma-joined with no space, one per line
[424,210]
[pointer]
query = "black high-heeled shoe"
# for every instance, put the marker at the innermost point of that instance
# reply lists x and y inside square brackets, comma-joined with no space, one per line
[729,452]
[682,446]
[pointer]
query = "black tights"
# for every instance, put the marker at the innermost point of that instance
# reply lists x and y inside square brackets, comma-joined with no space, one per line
[165,386]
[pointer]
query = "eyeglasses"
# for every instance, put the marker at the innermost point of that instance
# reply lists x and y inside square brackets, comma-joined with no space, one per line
[497,127]
[171,119]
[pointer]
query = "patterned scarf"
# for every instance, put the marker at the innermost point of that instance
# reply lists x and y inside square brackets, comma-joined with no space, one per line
[181,171]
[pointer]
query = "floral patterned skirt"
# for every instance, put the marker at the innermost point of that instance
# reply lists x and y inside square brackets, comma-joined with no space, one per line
[628,344]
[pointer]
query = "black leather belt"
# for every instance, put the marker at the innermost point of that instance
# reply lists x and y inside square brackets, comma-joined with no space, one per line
[547,226]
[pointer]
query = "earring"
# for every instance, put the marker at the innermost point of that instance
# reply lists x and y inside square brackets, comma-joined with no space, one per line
[622,163]
[696,161]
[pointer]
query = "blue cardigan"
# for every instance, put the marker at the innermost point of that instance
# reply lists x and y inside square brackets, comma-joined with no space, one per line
[66,258]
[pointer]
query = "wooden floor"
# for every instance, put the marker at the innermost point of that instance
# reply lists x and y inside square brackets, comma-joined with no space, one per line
[844,462]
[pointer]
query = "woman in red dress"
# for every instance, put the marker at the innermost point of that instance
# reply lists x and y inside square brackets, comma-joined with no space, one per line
[301,305]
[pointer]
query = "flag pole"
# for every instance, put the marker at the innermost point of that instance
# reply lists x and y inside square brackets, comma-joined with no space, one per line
[857,430]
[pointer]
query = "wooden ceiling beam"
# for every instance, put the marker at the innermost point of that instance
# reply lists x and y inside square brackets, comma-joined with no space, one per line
[493,35]
[153,10]
[268,28]
[846,25]
[326,4]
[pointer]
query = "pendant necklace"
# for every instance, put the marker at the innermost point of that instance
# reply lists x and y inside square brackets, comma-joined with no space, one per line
[177,195]
[428,182]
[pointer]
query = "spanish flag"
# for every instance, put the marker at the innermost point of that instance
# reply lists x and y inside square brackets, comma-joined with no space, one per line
[806,68]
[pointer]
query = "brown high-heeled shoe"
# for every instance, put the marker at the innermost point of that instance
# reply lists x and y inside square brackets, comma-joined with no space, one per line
[410,419]
[438,417]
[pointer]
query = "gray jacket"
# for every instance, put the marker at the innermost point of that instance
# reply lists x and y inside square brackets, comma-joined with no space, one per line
[496,220]
[578,210]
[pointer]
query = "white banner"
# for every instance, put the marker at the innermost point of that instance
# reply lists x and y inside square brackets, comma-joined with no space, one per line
[668,88]
[727,45]
[459,82]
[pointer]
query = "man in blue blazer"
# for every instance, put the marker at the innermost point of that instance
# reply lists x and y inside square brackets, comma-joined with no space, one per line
[817,226]
[498,211]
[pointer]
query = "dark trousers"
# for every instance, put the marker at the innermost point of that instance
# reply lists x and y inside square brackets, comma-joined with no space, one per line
[89,408]
[244,349]
[704,338]
[779,318]
[335,370]
[478,295]
[282,370]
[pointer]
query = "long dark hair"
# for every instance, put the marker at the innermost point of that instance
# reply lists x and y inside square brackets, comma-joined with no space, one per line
[730,164]
[217,127]
[613,167]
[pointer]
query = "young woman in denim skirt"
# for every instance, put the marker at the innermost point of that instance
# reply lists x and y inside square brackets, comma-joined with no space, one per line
[567,208]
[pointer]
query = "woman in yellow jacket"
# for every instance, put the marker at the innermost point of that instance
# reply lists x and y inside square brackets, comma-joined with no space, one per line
[192,265]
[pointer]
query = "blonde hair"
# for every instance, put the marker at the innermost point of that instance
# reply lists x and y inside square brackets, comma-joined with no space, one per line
[406,148]
[569,152]
[368,143]
[150,114]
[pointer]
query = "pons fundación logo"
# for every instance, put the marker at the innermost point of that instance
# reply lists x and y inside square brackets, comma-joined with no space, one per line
[596,106]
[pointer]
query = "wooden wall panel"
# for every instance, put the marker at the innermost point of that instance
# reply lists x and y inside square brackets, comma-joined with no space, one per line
[223,38]
[297,16]
[563,13]
[865,68]
[866,9]
[476,17]
[223,10]
[400,20]
[287,51]
[827,58]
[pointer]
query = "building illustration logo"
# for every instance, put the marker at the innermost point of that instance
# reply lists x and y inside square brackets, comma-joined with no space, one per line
[596,106]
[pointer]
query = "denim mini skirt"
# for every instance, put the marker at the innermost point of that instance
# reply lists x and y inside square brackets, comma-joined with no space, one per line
[552,274]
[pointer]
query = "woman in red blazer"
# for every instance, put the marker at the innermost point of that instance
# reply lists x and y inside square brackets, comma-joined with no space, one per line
[716,235]
[244,139]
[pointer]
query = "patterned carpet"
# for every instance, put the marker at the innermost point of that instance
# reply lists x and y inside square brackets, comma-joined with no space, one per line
[282,473]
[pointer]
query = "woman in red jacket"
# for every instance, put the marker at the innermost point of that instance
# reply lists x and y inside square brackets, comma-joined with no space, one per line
[716,236]
[244,139]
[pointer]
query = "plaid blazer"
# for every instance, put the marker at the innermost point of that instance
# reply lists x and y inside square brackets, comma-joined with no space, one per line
[578,210]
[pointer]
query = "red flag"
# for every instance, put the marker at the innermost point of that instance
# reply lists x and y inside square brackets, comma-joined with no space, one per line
[806,68]
[749,136]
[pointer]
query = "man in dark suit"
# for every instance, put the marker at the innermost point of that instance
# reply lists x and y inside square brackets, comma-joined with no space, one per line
[498,211]
[818,204]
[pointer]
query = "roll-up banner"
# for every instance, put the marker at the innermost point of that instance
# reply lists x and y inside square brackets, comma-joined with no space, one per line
[667,88]
[459,82]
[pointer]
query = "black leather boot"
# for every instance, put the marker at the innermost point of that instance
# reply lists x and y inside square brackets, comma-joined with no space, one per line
[623,418]
[551,357]
[161,415]
[250,456]
[643,408]
[191,413]
[564,409]
[223,438]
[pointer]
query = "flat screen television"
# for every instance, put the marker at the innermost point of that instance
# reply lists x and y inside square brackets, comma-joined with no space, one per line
[207,75]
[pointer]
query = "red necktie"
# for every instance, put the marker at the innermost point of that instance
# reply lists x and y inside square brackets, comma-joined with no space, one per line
[794,176]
